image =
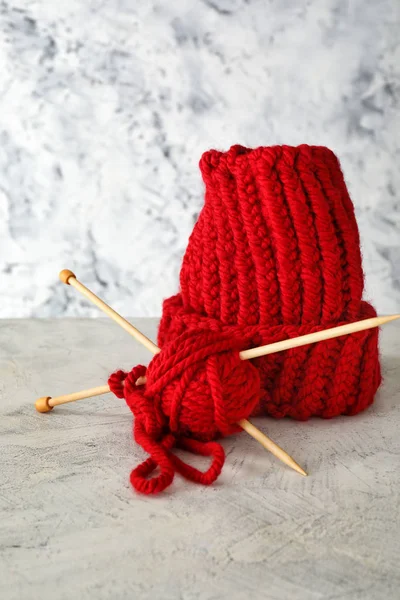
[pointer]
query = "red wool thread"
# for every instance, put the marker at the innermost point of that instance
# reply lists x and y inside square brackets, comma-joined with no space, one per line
[197,389]
[275,254]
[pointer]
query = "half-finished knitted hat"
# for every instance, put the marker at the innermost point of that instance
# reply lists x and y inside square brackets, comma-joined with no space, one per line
[275,254]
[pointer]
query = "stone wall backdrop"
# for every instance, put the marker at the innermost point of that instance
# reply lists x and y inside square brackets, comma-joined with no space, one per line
[107,105]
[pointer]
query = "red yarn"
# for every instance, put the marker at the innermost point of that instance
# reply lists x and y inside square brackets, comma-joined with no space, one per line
[274,254]
[197,389]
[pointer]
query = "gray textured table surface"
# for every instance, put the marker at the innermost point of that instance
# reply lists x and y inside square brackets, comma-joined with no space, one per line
[71,527]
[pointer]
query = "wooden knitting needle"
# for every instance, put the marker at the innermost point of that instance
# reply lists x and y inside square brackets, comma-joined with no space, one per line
[45,404]
[69,278]
[319,336]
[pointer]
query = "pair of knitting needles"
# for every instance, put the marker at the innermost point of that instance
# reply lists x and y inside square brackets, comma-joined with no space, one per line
[46,403]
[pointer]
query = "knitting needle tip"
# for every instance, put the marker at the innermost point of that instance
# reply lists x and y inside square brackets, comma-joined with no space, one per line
[288,460]
[42,404]
[391,318]
[297,468]
[269,445]
[65,275]
[318,336]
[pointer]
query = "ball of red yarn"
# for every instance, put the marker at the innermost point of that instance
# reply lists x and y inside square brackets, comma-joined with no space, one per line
[196,390]
[202,385]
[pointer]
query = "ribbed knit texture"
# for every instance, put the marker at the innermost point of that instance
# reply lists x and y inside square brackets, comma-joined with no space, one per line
[275,254]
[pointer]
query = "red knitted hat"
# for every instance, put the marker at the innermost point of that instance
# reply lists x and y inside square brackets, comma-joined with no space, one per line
[275,254]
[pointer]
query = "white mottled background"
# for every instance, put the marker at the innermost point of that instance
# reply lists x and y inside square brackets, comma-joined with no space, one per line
[107,105]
